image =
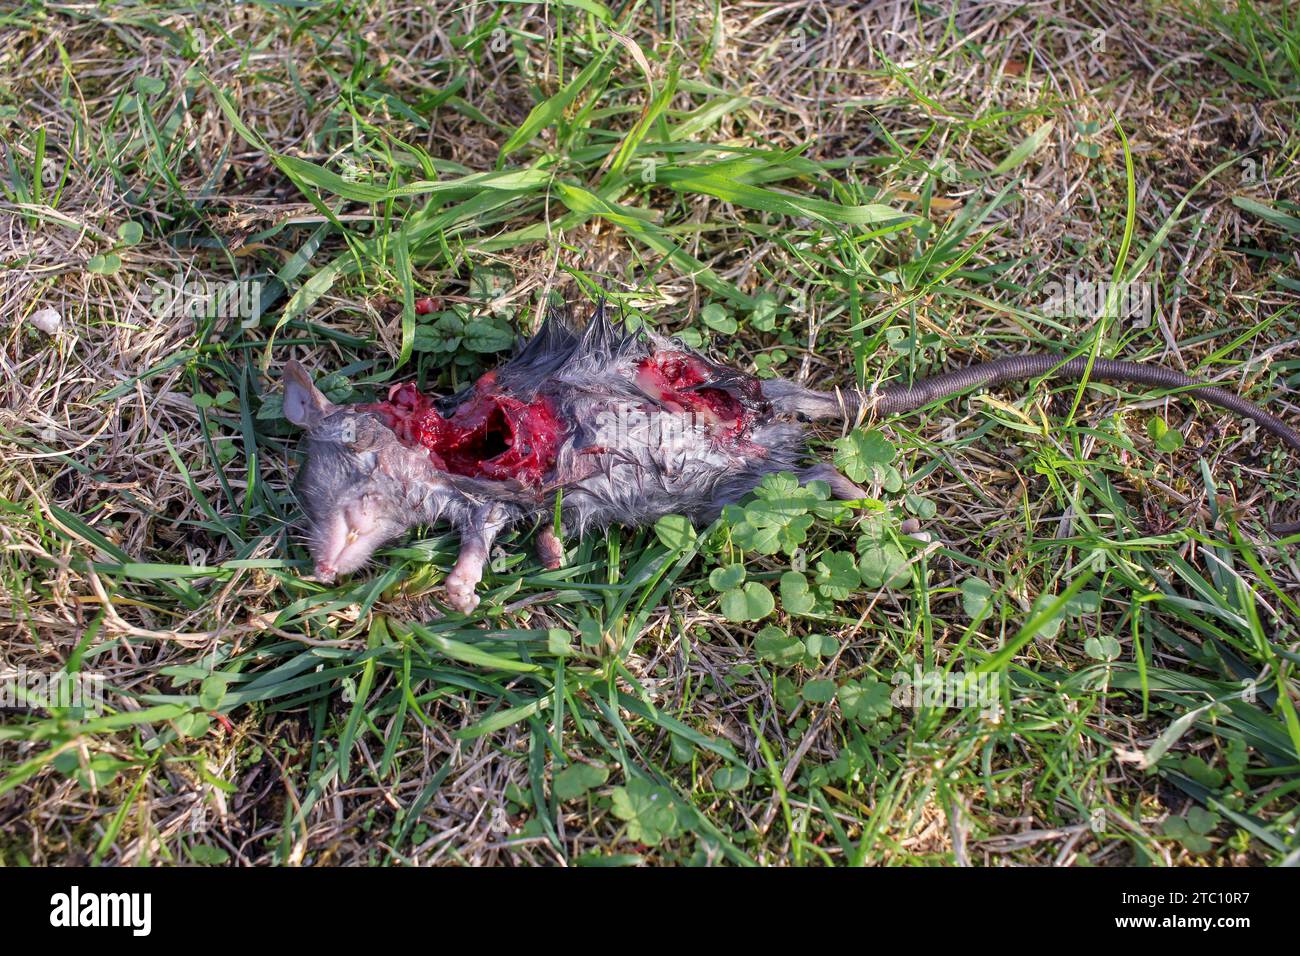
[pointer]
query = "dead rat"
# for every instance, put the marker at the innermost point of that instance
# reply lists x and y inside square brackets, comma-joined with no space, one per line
[624,427]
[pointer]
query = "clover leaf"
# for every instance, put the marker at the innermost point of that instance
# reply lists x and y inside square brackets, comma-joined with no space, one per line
[837,575]
[575,780]
[881,562]
[1166,439]
[819,691]
[868,456]
[648,811]
[730,778]
[775,645]
[675,532]
[753,602]
[1103,648]
[1193,830]
[866,701]
[796,597]
[727,577]
[715,317]
[975,596]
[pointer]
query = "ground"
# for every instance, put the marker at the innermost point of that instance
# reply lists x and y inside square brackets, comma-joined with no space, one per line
[839,193]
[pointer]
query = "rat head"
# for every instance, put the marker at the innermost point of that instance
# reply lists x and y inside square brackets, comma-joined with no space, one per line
[350,485]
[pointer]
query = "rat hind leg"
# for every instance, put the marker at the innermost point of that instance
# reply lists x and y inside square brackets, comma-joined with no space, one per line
[787,446]
[477,532]
[550,547]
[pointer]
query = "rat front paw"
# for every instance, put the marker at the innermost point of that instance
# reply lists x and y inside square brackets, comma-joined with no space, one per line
[460,592]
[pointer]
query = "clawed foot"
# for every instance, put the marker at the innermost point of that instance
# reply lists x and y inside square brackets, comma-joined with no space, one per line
[550,549]
[460,585]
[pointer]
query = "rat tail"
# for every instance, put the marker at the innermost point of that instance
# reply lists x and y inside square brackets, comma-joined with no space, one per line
[900,399]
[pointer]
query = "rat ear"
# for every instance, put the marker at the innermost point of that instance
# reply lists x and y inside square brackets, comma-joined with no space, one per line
[304,405]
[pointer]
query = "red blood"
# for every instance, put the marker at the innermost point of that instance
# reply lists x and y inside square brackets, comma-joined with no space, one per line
[490,435]
[673,378]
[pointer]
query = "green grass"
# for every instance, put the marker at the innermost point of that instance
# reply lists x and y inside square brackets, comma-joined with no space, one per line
[827,200]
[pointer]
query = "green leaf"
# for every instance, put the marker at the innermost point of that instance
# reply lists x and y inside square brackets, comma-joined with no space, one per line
[559,642]
[1104,648]
[575,780]
[728,777]
[731,189]
[549,111]
[753,602]
[727,578]
[104,265]
[1197,843]
[779,519]
[775,645]
[818,691]
[272,408]
[647,810]
[675,532]
[866,701]
[444,333]
[975,596]
[820,645]
[130,233]
[868,456]
[212,691]
[1051,626]
[1085,602]
[1196,768]
[716,318]
[796,598]
[837,575]
[488,283]
[486,335]
[1269,213]
[1027,147]
[1166,439]
[191,725]
[149,85]
[921,507]
[590,632]
[205,855]
[1202,821]
[763,317]
[881,562]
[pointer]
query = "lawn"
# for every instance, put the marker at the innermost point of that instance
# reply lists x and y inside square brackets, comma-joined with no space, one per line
[1059,632]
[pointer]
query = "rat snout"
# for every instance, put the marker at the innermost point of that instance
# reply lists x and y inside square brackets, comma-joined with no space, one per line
[345,540]
[360,515]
